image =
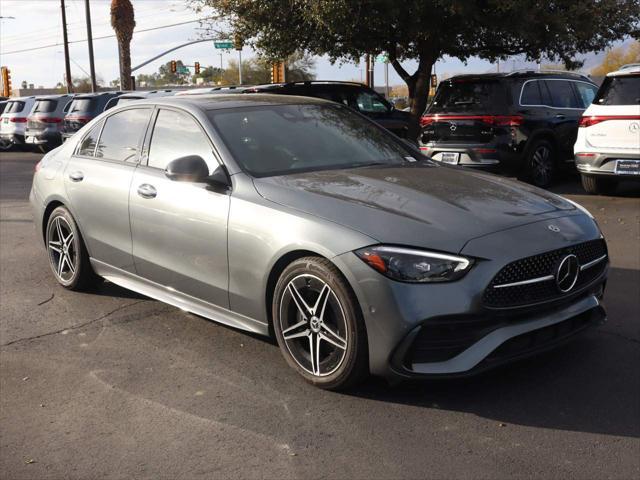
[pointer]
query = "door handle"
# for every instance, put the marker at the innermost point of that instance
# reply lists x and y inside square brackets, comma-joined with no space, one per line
[147,191]
[560,116]
[76,176]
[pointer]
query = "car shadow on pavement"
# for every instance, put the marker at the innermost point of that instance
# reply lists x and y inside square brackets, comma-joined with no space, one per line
[591,384]
[572,186]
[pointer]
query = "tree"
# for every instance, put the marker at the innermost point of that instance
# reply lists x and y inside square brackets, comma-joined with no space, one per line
[257,70]
[210,75]
[617,57]
[123,22]
[426,30]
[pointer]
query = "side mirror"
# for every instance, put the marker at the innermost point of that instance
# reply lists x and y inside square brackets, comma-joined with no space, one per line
[191,168]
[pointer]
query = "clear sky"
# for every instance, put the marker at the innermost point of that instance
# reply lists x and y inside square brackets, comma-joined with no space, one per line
[38,23]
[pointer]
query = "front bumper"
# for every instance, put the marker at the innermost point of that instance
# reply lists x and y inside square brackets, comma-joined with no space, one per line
[604,164]
[455,315]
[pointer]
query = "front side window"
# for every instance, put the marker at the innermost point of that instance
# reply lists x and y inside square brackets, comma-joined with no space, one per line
[45,106]
[87,147]
[284,139]
[531,94]
[562,94]
[586,93]
[176,135]
[370,103]
[622,90]
[122,134]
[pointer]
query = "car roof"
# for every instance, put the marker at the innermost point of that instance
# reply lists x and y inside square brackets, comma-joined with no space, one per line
[54,97]
[521,74]
[97,94]
[222,101]
[308,83]
[630,69]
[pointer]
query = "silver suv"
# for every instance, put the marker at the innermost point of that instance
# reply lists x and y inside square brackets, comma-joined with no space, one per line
[44,124]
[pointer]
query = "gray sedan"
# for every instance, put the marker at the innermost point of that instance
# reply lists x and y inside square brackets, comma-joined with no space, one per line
[302,219]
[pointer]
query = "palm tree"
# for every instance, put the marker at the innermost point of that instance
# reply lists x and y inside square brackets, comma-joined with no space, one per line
[123,22]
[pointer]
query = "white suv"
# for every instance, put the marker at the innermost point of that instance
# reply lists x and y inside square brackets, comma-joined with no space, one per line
[608,145]
[13,122]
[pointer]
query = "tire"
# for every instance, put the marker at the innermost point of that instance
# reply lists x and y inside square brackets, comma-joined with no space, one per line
[337,333]
[597,186]
[68,256]
[540,164]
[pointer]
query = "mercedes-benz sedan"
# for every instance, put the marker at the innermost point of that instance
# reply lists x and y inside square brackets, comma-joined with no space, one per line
[300,218]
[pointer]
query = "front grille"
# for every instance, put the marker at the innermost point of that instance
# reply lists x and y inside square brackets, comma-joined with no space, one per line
[539,266]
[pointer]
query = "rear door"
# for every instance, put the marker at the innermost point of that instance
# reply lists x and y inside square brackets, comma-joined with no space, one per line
[179,229]
[97,180]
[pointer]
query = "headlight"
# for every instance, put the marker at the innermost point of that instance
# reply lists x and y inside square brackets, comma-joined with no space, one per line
[415,266]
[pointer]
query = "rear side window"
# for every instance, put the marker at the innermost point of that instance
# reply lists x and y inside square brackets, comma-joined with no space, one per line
[461,96]
[369,102]
[586,93]
[45,106]
[562,94]
[87,147]
[531,94]
[82,105]
[176,135]
[14,107]
[623,90]
[122,133]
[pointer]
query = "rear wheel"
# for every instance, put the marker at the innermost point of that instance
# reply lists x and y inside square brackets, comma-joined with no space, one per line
[318,324]
[541,164]
[597,186]
[68,255]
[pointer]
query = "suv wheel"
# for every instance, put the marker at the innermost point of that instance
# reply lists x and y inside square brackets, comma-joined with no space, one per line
[318,324]
[597,186]
[540,164]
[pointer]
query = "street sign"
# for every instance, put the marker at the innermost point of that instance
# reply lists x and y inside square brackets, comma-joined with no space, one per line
[183,70]
[226,45]
[382,58]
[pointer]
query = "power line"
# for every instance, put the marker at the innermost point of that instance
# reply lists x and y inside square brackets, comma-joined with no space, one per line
[105,36]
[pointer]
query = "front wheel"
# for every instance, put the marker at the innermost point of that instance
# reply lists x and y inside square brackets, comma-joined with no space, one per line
[318,324]
[68,255]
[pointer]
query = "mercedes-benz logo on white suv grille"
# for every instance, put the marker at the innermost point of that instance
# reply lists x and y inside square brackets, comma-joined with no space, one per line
[567,273]
[634,127]
[453,127]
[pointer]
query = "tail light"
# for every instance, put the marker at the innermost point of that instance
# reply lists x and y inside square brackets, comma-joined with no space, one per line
[18,119]
[591,120]
[493,120]
[78,119]
[47,119]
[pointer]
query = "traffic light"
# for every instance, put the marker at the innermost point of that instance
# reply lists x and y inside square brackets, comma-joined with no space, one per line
[6,82]
[277,72]
[173,66]
[434,81]
[237,42]
[197,68]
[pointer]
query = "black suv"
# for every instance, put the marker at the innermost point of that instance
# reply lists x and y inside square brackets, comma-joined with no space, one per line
[356,95]
[522,123]
[84,108]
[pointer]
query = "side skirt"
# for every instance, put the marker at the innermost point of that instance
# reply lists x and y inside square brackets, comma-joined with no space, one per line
[183,301]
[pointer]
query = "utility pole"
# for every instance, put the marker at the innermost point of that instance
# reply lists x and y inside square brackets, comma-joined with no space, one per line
[92,68]
[386,78]
[367,67]
[239,67]
[372,64]
[67,65]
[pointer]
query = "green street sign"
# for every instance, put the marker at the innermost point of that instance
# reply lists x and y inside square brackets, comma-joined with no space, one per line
[183,70]
[226,45]
[382,58]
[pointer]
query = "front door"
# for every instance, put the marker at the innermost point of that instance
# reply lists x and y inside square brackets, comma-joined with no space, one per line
[97,179]
[179,229]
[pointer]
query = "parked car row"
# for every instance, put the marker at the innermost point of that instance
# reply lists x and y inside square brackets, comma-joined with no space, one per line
[534,123]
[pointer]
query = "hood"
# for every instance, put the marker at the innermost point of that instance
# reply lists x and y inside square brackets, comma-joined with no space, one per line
[423,205]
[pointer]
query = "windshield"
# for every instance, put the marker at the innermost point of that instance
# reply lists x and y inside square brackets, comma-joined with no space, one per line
[622,90]
[45,106]
[462,96]
[283,139]
[82,105]
[14,107]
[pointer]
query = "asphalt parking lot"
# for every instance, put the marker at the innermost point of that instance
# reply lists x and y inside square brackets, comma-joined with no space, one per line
[112,384]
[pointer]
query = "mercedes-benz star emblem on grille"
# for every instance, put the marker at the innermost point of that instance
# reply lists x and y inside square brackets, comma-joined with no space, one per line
[453,127]
[567,273]
[553,228]
[634,127]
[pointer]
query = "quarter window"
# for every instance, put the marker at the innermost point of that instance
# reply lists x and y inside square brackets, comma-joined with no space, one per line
[370,103]
[176,135]
[531,94]
[586,93]
[88,145]
[122,133]
[562,94]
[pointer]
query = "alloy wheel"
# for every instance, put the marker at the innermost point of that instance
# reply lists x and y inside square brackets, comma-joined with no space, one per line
[541,165]
[313,325]
[61,245]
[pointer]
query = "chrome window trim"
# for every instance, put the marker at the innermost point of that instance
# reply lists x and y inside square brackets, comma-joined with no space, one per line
[548,80]
[526,282]
[592,263]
